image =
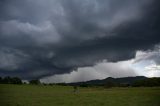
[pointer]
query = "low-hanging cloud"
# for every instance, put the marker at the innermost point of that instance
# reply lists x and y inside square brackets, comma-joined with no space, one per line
[48,37]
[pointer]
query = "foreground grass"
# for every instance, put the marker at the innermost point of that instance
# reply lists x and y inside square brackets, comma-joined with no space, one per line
[30,95]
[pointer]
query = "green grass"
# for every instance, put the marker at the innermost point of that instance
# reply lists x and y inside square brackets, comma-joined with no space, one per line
[30,95]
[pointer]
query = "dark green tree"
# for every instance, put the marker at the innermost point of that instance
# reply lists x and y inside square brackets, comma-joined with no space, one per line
[16,80]
[0,80]
[150,82]
[109,84]
[7,80]
[35,82]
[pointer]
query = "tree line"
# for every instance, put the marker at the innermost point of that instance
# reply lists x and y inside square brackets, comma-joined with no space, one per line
[10,80]
[16,80]
[151,82]
[148,82]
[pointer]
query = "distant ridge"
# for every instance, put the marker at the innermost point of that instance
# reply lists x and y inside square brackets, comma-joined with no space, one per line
[123,80]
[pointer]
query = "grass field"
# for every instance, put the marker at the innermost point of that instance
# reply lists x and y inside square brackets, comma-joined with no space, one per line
[30,95]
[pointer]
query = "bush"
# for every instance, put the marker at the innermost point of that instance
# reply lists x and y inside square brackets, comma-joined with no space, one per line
[9,80]
[34,82]
[109,84]
[151,82]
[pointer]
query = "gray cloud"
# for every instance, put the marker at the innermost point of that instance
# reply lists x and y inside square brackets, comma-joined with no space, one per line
[151,55]
[99,71]
[11,59]
[55,37]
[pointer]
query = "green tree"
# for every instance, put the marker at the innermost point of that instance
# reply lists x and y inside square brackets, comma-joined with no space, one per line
[150,82]
[35,82]
[109,84]
[0,80]
[7,80]
[16,80]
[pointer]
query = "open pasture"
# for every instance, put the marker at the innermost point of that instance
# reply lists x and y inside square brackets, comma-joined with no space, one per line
[39,95]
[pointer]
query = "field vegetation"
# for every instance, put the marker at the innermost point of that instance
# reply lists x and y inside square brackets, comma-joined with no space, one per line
[55,95]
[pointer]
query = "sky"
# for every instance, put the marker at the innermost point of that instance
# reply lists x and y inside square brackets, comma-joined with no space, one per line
[79,40]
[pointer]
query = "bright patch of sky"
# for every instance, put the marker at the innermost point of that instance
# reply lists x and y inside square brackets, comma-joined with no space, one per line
[139,66]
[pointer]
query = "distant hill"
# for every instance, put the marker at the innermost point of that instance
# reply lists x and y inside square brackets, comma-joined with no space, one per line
[124,80]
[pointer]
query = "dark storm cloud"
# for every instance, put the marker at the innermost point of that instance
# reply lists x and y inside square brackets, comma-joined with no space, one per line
[48,37]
